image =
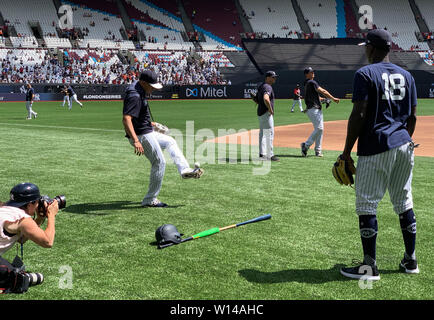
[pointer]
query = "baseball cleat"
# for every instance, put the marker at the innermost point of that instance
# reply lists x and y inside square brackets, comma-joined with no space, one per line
[154,204]
[362,271]
[319,154]
[409,266]
[274,158]
[304,149]
[192,173]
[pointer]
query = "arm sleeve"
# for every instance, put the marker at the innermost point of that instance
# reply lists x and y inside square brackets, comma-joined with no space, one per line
[360,87]
[132,106]
[413,93]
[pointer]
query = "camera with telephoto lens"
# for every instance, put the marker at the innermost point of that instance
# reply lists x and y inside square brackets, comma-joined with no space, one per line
[46,199]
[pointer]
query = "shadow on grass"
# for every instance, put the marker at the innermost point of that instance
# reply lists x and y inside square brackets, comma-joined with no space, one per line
[300,275]
[289,156]
[105,208]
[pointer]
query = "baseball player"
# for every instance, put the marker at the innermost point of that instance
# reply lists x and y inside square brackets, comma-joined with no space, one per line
[265,112]
[297,98]
[30,95]
[72,96]
[65,96]
[141,135]
[312,98]
[383,120]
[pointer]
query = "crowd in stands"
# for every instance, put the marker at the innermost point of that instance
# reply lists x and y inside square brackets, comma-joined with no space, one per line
[104,67]
[181,68]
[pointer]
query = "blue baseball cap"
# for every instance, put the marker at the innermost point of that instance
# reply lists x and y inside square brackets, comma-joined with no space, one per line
[150,77]
[378,38]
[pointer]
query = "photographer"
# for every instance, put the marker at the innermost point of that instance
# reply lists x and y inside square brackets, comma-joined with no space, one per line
[18,224]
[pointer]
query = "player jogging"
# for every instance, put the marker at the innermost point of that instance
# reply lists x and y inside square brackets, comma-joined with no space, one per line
[73,96]
[30,95]
[297,98]
[383,120]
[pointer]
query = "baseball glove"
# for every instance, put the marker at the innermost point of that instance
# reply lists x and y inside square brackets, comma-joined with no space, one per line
[158,127]
[343,171]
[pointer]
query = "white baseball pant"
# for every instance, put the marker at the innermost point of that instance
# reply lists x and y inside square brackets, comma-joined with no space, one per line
[316,117]
[65,99]
[74,97]
[153,145]
[30,111]
[266,134]
[391,170]
[299,105]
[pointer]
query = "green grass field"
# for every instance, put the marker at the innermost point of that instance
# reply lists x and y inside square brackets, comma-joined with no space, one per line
[105,240]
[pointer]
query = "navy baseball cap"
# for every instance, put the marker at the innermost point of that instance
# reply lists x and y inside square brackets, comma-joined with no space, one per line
[23,194]
[270,74]
[308,69]
[150,77]
[378,38]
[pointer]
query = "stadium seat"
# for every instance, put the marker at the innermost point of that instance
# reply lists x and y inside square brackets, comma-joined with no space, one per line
[272,17]
[385,13]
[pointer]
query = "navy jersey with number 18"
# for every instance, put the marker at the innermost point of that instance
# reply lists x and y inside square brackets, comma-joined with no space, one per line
[391,93]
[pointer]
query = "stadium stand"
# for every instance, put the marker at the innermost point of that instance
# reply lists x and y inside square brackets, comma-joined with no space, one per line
[53,42]
[99,29]
[321,17]
[219,17]
[24,42]
[21,18]
[426,8]
[352,28]
[273,17]
[183,68]
[161,15]
[385,13]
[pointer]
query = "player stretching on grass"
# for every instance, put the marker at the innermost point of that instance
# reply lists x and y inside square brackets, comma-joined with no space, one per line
[383,120]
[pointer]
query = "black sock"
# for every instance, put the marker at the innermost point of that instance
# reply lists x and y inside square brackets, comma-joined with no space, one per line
[368,232]
[407,221]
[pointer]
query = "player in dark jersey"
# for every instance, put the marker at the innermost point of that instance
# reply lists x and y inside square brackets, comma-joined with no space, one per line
[30,95]
[265,112]
[312,91]
[73,96]
[383,120]
[64,91]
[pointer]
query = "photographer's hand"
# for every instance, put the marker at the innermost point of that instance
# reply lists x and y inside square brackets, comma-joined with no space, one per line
[52,209]
[30,229]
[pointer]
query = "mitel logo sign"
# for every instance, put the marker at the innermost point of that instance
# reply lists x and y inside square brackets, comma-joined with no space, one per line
[191,92]
[206,92]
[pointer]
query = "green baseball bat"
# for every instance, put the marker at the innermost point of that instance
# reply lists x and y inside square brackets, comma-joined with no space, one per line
[217,230]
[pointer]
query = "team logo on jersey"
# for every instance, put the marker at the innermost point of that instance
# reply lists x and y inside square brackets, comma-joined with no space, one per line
[191,92]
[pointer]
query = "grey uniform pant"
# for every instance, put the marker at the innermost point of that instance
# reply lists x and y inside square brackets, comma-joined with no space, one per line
[266,134]
[153,145]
